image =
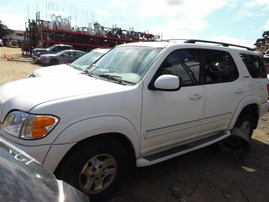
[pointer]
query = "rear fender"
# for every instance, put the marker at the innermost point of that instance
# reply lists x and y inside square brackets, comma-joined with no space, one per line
[246,101]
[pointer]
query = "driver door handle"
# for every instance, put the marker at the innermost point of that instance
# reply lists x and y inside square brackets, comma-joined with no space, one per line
[196,96]
[239,91]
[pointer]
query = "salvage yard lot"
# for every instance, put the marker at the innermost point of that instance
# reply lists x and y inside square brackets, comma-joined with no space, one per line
[206,175]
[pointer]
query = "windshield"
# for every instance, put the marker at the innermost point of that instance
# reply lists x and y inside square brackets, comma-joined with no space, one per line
[86,60]
[125,64]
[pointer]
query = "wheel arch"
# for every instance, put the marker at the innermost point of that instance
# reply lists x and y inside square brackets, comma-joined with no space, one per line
[106,136]
[244,108]
[85,130]
[53,61]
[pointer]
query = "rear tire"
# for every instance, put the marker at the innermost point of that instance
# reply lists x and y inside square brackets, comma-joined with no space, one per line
[246,123]
[236,144]
[97,167]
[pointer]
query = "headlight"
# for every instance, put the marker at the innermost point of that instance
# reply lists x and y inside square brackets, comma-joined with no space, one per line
[29,126]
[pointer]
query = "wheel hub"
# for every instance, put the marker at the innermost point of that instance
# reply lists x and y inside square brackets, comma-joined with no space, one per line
[98,173]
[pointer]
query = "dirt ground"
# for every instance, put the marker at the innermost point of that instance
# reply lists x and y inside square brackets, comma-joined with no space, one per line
[205,175]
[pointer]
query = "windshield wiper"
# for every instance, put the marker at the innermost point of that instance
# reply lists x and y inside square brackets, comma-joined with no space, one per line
[110,77]
[87,73]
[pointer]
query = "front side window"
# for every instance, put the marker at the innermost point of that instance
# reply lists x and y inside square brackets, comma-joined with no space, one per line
[183,63]
[71,53]
[254,65]
[219,67]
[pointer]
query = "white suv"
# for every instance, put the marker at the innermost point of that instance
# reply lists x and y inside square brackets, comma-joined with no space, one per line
[140,104]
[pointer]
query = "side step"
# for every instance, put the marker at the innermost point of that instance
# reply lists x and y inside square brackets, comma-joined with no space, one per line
[180,149]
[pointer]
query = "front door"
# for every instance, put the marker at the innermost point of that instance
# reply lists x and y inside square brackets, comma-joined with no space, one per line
[171,117]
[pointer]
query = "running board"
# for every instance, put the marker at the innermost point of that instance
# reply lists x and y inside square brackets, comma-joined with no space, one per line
[179,150]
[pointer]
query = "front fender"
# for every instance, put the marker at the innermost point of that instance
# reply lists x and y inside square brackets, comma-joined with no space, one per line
[100,125]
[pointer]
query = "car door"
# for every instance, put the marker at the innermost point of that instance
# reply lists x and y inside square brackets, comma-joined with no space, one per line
[71,56]
[67,57]
[171,117]
[224,90]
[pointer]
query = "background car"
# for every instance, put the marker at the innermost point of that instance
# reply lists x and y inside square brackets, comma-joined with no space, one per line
[1,42]
[266,63]
[77,66]
[36,52]
[22,178]
[62,57]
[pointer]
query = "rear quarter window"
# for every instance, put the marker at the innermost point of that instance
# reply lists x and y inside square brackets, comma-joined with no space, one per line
[255,65]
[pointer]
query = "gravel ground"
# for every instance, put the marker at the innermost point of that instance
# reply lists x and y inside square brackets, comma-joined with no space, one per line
[206,175]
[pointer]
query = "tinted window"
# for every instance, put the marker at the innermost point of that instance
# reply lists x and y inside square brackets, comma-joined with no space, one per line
[219,67]
[79,54]
[183,63]
[254,65]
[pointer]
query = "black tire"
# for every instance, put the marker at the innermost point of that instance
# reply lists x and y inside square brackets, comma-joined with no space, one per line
[53,62]
[97,167]
[246,122]
[236,144]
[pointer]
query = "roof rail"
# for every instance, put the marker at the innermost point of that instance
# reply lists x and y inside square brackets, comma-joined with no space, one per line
[216,42]
[173,39]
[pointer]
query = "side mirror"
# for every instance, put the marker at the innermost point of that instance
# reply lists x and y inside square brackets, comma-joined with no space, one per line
[167,83]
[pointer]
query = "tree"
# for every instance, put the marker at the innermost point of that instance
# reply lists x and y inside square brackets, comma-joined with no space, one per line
[4,30]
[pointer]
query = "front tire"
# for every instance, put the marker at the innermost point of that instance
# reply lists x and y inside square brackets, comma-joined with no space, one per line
[53,62]
[96,167]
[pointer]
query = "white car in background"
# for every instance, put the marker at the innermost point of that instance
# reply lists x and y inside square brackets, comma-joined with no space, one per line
[75,67]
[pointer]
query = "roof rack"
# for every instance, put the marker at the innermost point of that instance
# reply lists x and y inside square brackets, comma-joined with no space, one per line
[216,42]
[173,39]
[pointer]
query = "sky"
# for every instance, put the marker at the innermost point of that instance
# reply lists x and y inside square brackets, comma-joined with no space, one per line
[234,21]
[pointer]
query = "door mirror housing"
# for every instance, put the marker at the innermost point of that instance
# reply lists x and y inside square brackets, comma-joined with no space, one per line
[167,83]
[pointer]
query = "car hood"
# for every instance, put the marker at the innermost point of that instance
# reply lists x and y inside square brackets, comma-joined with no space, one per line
[39,49]
[48,55]
[56,70]
[27,93]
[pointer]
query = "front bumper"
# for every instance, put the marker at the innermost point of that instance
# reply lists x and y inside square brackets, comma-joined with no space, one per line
[37,152]
[48,155]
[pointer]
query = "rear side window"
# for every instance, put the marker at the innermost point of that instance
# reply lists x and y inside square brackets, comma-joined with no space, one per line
[219,67]
[255,65]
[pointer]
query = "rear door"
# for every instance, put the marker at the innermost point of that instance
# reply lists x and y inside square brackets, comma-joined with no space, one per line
[224,90]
